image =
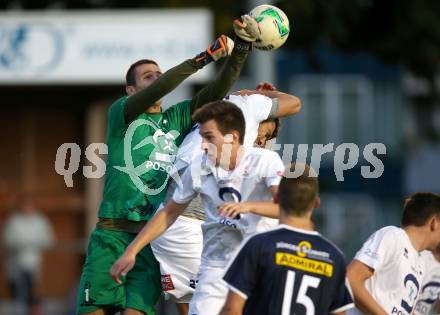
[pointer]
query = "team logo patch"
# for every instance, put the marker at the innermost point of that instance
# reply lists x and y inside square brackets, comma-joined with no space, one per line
[303,248]
[167,283]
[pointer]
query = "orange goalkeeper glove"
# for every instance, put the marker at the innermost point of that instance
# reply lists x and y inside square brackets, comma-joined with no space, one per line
[221,48]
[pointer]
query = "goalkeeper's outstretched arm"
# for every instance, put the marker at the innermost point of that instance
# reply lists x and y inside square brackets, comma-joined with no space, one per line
[219,88]
[229,73]
[139,102]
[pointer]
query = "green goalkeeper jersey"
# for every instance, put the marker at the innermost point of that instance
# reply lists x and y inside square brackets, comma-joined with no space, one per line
[140,159]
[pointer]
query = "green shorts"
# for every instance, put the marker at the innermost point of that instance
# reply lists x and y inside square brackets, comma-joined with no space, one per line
[140,289]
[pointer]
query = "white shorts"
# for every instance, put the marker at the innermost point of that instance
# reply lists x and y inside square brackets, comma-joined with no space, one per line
[178,251]
[211,292]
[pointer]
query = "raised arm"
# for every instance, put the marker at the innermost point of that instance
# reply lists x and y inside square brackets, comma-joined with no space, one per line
[287,104]
[229,73]
[139,102]
[246,31]
[152,230]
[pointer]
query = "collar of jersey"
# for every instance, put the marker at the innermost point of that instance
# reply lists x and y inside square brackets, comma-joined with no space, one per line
[153,121]
[285,226]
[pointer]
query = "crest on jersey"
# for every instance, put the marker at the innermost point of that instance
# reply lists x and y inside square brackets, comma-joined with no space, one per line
[412,289]
[303,248]
[161,157]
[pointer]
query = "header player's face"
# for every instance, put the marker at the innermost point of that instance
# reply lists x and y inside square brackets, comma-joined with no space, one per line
[213,141]
[265,133]
[146,74]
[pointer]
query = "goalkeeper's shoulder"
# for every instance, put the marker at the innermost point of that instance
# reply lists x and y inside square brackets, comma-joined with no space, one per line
[179,105]
[118,105]
[116,115]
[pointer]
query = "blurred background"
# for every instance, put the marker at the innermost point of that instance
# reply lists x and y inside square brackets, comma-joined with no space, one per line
[367,71]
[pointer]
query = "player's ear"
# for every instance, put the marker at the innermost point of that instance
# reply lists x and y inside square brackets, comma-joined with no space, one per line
[130,89]
[317,202]
[434,223]
[235,136]
[276,199]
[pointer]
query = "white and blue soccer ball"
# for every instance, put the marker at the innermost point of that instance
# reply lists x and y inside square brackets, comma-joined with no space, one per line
[273,25]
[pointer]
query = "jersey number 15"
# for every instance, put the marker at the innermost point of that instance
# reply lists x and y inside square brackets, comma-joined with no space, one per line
[301,298]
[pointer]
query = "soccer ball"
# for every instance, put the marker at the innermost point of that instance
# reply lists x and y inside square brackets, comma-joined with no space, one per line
[273,24]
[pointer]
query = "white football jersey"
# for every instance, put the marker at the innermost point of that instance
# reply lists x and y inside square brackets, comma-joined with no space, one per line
[398,270]
[255,108]
[430,289]
[257,171]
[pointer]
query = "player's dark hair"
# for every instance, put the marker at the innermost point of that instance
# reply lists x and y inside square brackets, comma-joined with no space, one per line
[130,77]
[419,208]
[277,122]
[227,115]
[297,194]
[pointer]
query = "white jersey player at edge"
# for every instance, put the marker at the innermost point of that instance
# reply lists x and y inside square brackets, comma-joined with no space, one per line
[179,249]
[226,168]
[386,274]
[428,302]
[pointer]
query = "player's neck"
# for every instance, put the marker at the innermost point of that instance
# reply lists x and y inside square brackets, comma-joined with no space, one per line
[416,236]
[235,158]
[303,223]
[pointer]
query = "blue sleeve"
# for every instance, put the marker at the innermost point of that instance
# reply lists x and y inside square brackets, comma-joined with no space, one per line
[241,275]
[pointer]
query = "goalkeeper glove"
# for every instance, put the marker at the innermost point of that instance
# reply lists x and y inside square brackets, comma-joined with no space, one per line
[221,48]
[246,28]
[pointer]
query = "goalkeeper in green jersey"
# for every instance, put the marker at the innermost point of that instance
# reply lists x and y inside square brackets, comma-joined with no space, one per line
[142,141]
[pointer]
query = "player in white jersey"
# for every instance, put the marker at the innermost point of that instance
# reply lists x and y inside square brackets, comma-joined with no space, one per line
[179,249]
[386,274]
[428,302]
[227,171]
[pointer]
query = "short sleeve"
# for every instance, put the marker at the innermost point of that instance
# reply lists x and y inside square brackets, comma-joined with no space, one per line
[255,107]
[275,169]
[179,119]
[379,249]
[241,275]
[116,118]
[185,191]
